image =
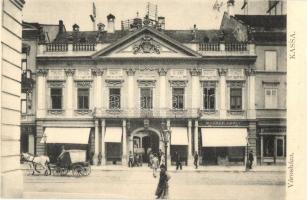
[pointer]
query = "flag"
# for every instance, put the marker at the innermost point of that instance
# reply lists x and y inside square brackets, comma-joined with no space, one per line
[94,10]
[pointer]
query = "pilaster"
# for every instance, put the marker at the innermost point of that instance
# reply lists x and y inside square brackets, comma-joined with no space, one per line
[69,92]
[168,126]
[103,128]
[222,73]
[96,153]
[162,81]
[131,97]
[190,155]
[97,73]
[251,111]
[41,92]
[195,89]
[124,156]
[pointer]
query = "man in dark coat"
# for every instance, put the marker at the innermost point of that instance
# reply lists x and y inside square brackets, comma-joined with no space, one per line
[178,161]
[250,159]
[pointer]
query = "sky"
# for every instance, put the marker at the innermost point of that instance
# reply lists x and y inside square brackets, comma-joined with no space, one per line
[179,14]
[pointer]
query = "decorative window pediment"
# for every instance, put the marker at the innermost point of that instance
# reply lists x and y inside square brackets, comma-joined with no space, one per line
[114,83]
[146,83]
[209,84]
[235,84]
[56,84]
[84,84]
[176,83]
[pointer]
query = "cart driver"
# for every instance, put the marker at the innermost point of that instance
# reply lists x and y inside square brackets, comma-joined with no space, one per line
[62,153]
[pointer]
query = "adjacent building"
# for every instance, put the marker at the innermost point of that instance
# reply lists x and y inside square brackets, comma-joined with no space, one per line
[10,78]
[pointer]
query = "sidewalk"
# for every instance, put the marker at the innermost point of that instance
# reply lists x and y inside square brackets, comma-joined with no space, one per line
[276,168]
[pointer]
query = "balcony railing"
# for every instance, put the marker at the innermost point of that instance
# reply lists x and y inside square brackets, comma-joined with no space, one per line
[236,47]
[56,47]
[209,47]
[84,47]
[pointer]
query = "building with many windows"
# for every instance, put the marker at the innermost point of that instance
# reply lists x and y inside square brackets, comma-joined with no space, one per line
[112,92]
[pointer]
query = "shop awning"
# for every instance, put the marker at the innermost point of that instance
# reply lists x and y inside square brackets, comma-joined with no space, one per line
[113,134]
[179,136]
[67,135]
[224,137]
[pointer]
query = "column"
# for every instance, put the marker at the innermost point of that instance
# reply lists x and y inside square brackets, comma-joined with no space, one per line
[261,149]
[223,108]
[168,126]
[98,90]
[40,147]
[130,89]
[41,92]
[251,112]
[190,154]
[69,92]
[95,159]
[124,156]
[103,128]
[162,82]
[195,105]
[252,139]
[196,137]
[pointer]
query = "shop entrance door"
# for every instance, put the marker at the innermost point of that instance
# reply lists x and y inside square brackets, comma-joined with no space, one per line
[144,143]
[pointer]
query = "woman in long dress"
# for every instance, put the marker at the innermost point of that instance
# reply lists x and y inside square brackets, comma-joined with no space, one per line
[162,189]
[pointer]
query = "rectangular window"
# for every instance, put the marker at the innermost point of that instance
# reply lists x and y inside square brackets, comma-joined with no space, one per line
[236,98]
[56,98]
[114,98]
[83,98]
[270,60]
[271,98]
[146,98]
[209,98]
[178,98]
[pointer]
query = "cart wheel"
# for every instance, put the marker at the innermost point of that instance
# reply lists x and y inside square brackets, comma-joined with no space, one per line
[86,170]
[56,171]
[77,171]
[64,171]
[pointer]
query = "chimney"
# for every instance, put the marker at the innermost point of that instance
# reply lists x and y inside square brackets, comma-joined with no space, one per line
[100,27]
[111,23]
[161,23]
[230,7]
[61,26]
[75,27]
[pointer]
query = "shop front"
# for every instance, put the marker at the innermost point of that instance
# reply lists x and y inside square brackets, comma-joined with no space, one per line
[272,145]
[113,145]
[27,139]
[71,138]
[224,146]
[179,144]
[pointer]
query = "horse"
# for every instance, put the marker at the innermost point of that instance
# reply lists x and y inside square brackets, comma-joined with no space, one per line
[37,160]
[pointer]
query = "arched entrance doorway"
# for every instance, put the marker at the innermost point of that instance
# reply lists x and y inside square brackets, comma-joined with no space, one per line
[144,142]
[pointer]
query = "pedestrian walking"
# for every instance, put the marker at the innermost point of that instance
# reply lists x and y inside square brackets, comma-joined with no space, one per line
[162,159]
[196,160]
[155,165]
[178,161]
[159,155]
[130,162]
[150,159]
[250,159]
[162,188]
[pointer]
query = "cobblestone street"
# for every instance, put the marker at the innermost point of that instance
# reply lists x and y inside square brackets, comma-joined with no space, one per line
[140,184]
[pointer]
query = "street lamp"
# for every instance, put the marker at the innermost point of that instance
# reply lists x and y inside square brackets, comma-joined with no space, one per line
[45,143]
[165,135]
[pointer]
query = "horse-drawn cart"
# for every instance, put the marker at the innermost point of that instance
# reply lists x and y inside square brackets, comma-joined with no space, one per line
[72,160]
